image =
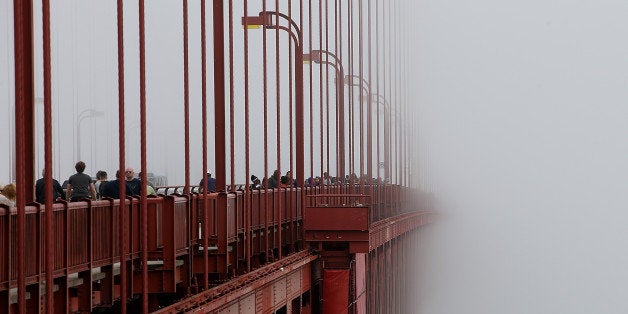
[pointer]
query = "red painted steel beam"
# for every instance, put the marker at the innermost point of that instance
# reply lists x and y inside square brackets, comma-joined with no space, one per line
[219,95]
[231,99]
[122,229]
[247,170]
[49,241]
[24,129]
[205,209]
[385,230]
[143,177]
[216,297]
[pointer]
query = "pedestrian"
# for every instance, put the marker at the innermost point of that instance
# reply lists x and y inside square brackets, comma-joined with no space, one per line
[111,189]
[101,177]
[40,190]
[8,194]
[80,185]
[211,184]
[255,183]
[133,182]
[273,181]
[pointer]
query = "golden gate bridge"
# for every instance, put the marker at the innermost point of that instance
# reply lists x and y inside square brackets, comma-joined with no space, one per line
[326,81]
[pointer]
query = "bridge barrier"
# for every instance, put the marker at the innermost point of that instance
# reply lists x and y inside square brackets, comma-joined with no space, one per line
[86,260]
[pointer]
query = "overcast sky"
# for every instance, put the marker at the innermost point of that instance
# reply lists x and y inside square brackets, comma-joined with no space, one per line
[524,108]
[84,75]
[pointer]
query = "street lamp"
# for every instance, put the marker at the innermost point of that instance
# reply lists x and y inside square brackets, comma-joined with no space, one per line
[380,100]
[317,57]
[365,88]
[87,113]
[270,20]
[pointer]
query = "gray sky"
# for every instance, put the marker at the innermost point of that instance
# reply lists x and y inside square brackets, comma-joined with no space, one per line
[84,64]
[523,113]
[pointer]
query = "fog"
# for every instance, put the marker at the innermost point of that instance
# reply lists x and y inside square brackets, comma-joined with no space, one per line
[523,124]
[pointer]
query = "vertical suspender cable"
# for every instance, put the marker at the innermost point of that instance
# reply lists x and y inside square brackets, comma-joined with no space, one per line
[398,123]
[290,187]
[387,109]
[302,199]
[290,91]
[369,256]
[398,152]
[48,158]
[204,123]
[341,115]
[278,95]
[309,32]
[369,118]
[219,146]
[361,71]
[309,11]
[144,213]
[353,67]
[266,193]
[402,78]
[327,166]
[377,114]
[219,93]
[404,108]
[393,101]
[350,73]
[121,159]
[409,107]
[231,103]
[320,92]
[338,92]
[23,38]
[400,82]
[186,98]
[232,128]
[300,139]
[385,94]
[247,198]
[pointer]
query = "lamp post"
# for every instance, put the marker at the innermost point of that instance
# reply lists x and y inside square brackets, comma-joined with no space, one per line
[366,88]
[317,56]
[87,113]
[384,103]
[270,20]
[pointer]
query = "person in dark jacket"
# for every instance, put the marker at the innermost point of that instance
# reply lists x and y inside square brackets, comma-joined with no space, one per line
[40,190]
[255,183]
[273,181]
[111,189]
[211,184]
[133,182]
